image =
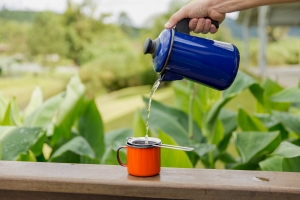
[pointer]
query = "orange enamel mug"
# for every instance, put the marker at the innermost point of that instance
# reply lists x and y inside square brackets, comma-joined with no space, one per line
[142,159]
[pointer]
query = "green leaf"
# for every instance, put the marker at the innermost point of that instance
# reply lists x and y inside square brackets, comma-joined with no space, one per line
[38,146]
[17,140]
[288,95]
[6,120]
[250,165]
[68,110]
[258,92]
[139,126]
[113,140]
[291,164]
[35,101]
[272,124]
[218,133]
[202,149]
[226,158]
[91,127]
[267,119]
[273,163]
[181,95]
[29,157]
[290,121]
[76,147]
[287,150]
[283,132]
[252,144]
[172,122]
[117,138]
[204,98]
[170,157]
[15,113]
[3,106]
[241,82]
[212,115]
[44,114]
[270,87]
[229,120]
[109,157]
[249,123]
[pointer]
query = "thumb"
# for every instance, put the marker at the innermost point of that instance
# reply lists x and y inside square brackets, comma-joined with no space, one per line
[176,17]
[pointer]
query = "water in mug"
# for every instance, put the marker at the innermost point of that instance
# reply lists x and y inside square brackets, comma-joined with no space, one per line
[154,88]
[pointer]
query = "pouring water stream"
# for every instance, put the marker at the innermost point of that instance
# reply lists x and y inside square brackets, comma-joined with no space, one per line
[154,88]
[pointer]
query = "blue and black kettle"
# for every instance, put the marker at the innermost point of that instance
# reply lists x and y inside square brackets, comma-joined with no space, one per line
[177,55]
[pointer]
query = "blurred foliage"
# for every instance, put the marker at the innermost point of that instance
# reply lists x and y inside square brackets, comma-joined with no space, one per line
[18,15]
[109,55]
[41,33]
[65,128]
[13,37]
[68,128]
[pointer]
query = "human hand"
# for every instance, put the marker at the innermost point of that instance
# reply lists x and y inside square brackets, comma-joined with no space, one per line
[197,10]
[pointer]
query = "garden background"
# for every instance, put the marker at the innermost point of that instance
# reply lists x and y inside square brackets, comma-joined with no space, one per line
[74,86]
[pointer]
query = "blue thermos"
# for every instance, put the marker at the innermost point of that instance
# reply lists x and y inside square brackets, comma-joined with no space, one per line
[177,55]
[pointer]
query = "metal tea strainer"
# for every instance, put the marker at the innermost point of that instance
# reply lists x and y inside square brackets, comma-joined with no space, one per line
[140,142]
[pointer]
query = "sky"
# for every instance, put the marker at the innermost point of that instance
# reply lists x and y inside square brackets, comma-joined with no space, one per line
[139,11]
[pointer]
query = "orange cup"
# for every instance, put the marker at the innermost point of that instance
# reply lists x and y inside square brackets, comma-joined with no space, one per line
[142,159]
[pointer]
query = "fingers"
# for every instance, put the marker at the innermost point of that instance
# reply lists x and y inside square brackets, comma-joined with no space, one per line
[206,27]
[213,29]
[193,24]
[202,25]
[176,17]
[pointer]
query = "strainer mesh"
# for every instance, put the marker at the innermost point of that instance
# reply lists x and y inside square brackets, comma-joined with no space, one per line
[143,142]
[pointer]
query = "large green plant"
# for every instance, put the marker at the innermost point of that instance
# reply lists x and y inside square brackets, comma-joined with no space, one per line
[65,128]
[68,127]
[207,128]
[263,139]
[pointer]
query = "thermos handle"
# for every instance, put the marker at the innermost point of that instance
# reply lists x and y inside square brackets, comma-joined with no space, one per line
[183,25]
[118,156]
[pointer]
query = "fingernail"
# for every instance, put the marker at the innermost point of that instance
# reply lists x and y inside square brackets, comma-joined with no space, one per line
[202,20]
[168,25]
[195,21]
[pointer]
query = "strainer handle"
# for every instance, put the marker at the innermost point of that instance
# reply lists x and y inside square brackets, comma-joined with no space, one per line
[118,156]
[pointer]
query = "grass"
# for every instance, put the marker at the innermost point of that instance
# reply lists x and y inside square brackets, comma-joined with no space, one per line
[22,87]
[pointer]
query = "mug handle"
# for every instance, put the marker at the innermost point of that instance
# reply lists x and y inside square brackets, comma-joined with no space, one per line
[118,157]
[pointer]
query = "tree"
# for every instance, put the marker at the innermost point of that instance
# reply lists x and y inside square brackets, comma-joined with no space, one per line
[126,25]
[47,35]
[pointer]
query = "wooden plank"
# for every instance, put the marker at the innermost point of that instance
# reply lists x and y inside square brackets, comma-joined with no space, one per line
[172,183]
[30,195]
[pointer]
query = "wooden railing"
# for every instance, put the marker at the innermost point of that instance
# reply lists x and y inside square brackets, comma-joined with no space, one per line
[24,180]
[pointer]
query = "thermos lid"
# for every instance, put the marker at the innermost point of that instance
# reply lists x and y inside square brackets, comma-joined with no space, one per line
[159,49]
